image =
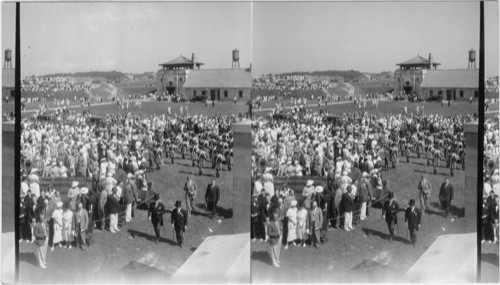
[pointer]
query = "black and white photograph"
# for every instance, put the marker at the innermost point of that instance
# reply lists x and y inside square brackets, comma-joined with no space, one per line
[8,141]
[250,142]
[365,142]
[128,111]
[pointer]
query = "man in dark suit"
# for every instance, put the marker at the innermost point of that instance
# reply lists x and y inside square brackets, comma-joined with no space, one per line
[389,213]
[255,211]
[155,215]
[265,214]
[446,196]
[413,218]
[347,206]
[113,207]
[212,197]
[315,223]
[80,225]
[179,222]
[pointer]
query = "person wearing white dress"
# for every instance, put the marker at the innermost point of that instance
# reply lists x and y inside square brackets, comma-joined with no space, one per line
[67,228]
[291,216]
[57,216]
[302,225]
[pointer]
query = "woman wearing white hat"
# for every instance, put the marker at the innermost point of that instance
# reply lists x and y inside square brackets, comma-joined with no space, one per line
[57,216]
[291,216]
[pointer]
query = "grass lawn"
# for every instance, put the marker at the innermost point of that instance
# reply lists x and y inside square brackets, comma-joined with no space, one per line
[388,107]
[221,108]
[103,262]
[368,242]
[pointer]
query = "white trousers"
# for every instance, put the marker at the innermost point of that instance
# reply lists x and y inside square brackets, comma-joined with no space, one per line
[128,214]
[348,220]
[362,215]
[113,223]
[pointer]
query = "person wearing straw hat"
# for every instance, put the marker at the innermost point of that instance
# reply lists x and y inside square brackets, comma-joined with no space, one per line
[413,219]
[291,216]
[57,217]
[389,213]
[322,197]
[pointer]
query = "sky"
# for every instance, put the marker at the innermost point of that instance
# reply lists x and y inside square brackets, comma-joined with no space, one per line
[131,37]
[284,37]
[9,29]
[369,37]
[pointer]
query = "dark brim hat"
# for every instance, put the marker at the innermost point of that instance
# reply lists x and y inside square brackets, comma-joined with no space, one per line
[412,202]
[391,195]
[178,203]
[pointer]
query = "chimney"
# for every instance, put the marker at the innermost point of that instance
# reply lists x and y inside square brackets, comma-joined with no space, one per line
[430,60]
[193,58]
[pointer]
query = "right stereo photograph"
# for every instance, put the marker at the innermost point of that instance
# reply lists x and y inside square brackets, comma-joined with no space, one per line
[367,142]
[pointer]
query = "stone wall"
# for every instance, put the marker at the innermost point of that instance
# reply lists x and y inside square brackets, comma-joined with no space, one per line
[242,149]
[471,192]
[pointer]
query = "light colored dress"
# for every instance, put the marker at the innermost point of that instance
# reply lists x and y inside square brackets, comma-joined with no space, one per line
[67,219]
[73,195]
[58,225]
[291,214]
[302,224]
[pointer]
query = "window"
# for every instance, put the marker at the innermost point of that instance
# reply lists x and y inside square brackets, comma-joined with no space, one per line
[240,93]
[475,94]
[170,83]
[225,93]
[194,93]
[440,92]
[180,79]
[461,94]
[203,93]
[431,92]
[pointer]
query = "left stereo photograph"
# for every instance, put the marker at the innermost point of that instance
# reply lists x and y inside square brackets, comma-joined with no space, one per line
[134,160]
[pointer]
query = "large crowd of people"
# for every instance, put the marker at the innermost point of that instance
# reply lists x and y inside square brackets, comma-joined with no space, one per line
[351,152]
[288,83]
[491,189]
[52,84]
[78,146]
[70,146]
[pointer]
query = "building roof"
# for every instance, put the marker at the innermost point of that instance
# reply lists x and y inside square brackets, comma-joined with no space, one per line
[180,60]
[418,60]
[8,78]
[451,78]
[219,78]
